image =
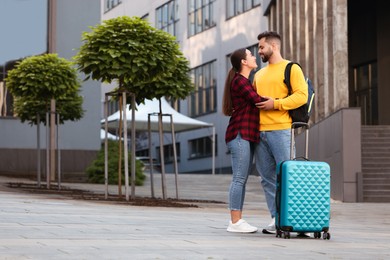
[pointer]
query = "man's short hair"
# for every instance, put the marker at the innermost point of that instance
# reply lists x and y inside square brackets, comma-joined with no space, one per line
[269,36]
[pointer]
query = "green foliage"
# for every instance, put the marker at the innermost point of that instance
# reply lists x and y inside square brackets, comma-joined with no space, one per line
[38,79]
[96,169]
[143,60]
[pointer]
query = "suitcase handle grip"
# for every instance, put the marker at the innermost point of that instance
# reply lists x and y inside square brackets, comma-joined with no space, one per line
[294,126]
[299,124]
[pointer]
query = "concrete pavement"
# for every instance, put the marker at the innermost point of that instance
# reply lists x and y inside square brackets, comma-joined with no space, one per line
[34,226]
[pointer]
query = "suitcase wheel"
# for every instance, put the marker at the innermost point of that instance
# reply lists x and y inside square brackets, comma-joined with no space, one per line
[286,234]
[326,236]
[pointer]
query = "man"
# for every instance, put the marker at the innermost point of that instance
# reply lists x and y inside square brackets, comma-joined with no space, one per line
[275,122]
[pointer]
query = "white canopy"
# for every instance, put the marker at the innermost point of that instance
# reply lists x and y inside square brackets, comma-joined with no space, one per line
[180,121]
[109,135]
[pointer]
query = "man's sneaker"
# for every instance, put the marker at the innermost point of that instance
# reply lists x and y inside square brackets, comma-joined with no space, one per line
[270,229]
[241,226]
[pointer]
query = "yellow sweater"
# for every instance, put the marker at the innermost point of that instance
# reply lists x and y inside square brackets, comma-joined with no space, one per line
[269,82]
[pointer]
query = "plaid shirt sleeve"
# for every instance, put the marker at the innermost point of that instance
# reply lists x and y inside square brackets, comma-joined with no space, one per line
[245,118]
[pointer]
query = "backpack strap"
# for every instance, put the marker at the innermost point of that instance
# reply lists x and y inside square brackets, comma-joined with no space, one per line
[287,73]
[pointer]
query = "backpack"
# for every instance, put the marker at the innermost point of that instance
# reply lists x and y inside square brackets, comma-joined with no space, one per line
[302,113]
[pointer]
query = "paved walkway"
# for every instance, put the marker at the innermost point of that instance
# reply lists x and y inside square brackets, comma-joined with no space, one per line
[53,227]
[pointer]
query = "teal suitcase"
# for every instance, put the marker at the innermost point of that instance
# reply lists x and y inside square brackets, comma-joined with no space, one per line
[302,196]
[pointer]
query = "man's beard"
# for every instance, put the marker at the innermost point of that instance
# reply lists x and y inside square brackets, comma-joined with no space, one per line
[266,56]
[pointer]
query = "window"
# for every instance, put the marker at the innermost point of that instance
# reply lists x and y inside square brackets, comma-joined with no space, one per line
[255,51]
[109,4]
[201,147]
[112,106]
[365,84]
[168,153]
[175,103]
[6,99]
[204,99]
[167,17]
[236,7]
[142,153]
[200,16]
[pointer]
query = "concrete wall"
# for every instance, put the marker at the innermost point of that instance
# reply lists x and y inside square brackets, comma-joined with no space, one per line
[337,141]
[383,55]
[315,34]
[79,140]
[213,44]
[369,39]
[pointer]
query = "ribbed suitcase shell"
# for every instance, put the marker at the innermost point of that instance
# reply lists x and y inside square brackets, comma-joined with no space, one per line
[303,196]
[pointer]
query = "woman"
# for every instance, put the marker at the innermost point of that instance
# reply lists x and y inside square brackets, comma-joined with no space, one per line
[242,133]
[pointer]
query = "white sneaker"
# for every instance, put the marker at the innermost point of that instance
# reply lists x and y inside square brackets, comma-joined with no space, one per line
[241,226]
[270,229]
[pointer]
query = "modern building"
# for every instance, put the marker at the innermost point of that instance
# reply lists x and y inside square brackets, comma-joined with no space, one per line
[208,32]
[62,23]
[341,46]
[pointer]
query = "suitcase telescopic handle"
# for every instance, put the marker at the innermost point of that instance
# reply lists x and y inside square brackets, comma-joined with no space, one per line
[294,126]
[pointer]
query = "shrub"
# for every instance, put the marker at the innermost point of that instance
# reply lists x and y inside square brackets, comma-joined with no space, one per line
[96,169]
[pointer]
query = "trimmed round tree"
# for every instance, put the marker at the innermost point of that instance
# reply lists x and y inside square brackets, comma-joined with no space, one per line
[143,60]
[34,83]
[36,80]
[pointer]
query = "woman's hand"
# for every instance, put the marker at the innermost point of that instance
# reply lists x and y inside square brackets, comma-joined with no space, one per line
[267,104]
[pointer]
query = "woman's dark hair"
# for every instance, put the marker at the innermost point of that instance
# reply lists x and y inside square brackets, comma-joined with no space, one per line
[235,59]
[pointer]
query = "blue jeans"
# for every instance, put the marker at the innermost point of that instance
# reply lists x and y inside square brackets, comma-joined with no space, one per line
[242,158]
[273,148]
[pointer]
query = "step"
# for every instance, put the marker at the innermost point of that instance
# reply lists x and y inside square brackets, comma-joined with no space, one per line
[375,146]
[376,199]
[378,167]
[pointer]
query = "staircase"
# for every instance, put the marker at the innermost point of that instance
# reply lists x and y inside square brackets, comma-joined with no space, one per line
[375,176]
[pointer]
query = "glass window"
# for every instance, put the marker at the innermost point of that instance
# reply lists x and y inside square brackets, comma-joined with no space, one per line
[167,17]
[204,99]
[201,147]
[200,15]
[175,103]
[109,4]
[236,7]
[168,153]
[366,92]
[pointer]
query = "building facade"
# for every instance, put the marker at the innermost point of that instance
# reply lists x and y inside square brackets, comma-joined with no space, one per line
[208,32]
[341,46]
[78,141]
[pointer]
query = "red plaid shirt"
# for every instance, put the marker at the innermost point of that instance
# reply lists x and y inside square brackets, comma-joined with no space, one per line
[245,117]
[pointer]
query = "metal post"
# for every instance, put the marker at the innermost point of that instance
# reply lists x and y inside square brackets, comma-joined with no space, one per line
[39,152]
[47,152]
[213,153]
[125,145]
[106,147]
[163,183]
[133,146]
[58,153]
[150,157]
[52,139]
[174,157]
